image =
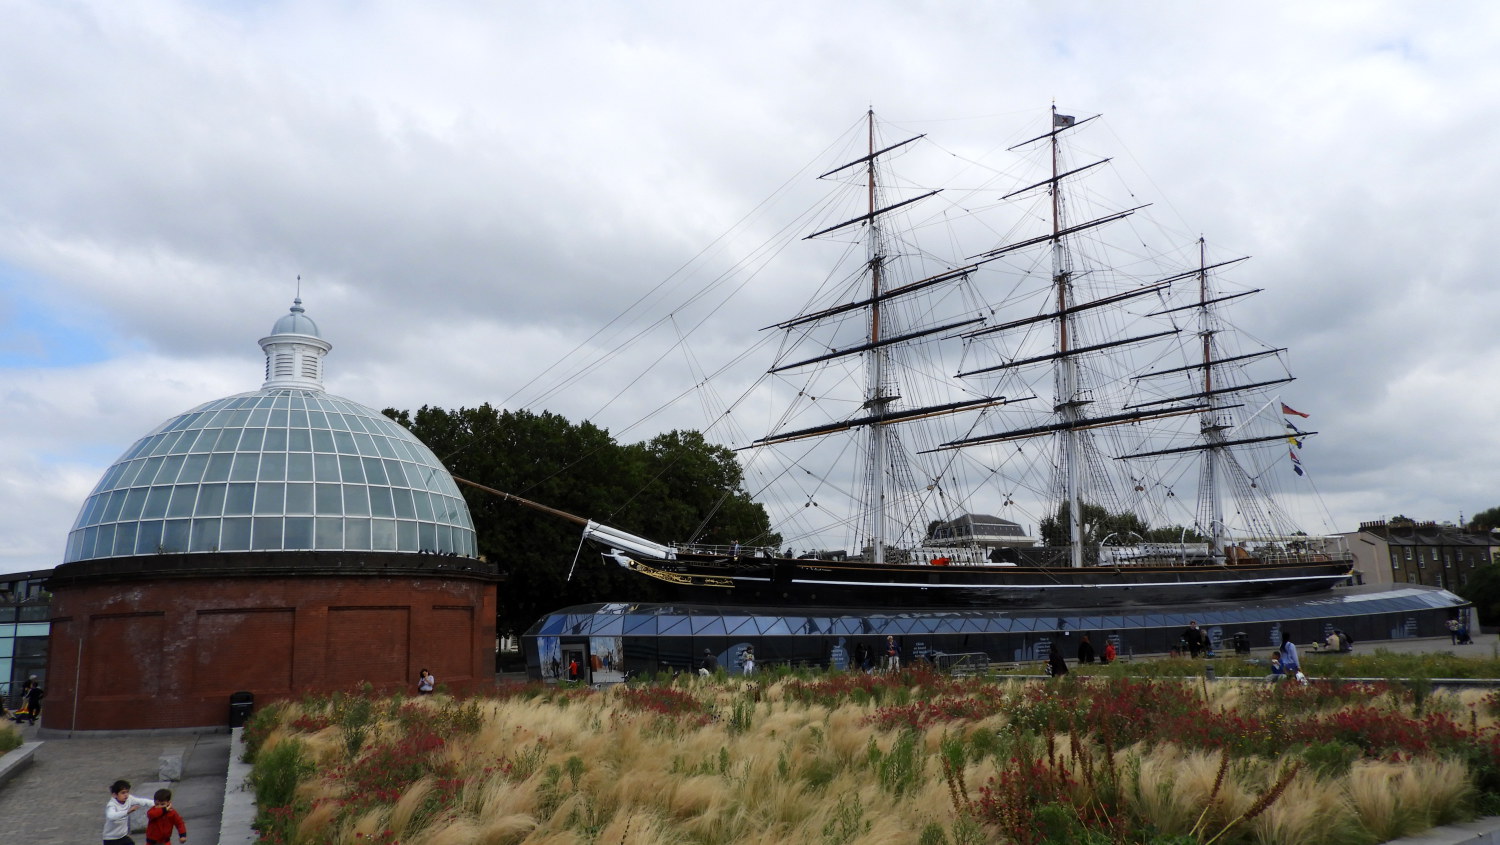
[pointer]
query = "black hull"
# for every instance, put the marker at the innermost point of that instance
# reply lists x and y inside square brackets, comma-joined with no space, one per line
[802,583]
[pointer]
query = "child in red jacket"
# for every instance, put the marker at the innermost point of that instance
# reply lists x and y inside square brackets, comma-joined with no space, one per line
[161,818]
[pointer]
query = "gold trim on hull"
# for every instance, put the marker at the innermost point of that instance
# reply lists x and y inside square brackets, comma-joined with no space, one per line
[679,578]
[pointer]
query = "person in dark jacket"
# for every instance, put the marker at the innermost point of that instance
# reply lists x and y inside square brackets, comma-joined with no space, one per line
[1056,665]
[1085,650]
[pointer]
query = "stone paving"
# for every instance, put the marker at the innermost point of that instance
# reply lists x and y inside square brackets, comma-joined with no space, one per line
[59,799]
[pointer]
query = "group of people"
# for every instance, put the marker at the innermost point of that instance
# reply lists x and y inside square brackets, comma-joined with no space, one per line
[1459,631]
[29,702]
[161,817]
[1057,665]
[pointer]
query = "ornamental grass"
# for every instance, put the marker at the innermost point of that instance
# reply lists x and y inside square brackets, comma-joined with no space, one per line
[913,757]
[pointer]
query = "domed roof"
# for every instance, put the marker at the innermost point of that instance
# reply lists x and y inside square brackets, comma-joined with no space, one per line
[296,322]
[282,468]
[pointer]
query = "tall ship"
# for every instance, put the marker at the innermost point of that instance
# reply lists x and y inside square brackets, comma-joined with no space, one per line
[1044,352]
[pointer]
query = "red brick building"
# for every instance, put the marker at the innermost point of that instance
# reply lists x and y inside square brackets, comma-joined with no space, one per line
[279,542]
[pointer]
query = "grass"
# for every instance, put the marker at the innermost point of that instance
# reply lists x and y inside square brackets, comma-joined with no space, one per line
[801,757]
[10,738]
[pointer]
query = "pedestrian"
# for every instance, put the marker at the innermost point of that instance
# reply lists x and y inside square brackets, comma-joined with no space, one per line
[1334,642]
[425,683]
[162,818]
[1056,665]
[1109,652]
[892,655]
[862,657]
[117,813]
[34,698]
[1290,665]
[1453,630]
[573,668]
[1193,636]
[709,664]
[749,661]
[1085,650]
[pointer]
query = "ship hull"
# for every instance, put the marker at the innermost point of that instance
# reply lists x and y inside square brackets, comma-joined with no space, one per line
[760,582]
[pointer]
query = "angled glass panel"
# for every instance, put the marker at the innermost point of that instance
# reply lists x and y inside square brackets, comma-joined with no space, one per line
[192,469]
[218,466]
[552,626]
[427,535]
[273,466]
[205,536]
[774,626]
[299,532]
[253,440]
[322,442]
[708,625]
[125,539]
[406,536]
[174,536]
[266,533]
[383,535]
[299,467]
[183,496]
[608,626]
[239,499]
[246,464]
[275,440]
[356,500]
[171,466]
[356,534]
[148,537]
[640,624]
[329,532]
[156,502]
[674,627]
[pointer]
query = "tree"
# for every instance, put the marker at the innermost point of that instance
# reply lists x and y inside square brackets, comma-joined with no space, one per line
[1485,520]
[1098,525]
[664,489]
[1483,589]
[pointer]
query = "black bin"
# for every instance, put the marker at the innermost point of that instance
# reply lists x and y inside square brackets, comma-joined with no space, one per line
[1242,643]
[240,704]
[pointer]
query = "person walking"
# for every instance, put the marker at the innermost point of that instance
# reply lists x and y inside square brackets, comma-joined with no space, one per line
[1056,665]
[425,683]
[1085,650]
[892,655]
[1193,636]
[117,812]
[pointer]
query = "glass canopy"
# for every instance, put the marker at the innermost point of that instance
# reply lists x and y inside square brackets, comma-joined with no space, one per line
[278,469]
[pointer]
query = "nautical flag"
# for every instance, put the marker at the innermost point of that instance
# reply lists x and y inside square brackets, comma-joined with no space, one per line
[1296,462]
[1062,120]
[1295,438]
[1288,409]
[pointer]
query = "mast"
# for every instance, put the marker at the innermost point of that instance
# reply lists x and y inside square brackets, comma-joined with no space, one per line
[1068,400]
[876,400]
[1213,429]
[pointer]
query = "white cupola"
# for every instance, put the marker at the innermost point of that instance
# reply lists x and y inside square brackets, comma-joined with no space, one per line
[294,351]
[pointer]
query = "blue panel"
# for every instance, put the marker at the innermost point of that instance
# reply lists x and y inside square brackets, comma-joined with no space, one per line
[708,625]
[552,625]
[678,627]
[611,626]
[33,629]
[774,626]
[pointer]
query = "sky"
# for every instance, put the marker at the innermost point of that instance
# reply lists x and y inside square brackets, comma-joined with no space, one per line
[471,192]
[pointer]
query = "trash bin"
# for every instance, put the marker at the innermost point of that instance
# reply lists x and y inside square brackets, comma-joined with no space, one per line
[240,704]
[1241,643]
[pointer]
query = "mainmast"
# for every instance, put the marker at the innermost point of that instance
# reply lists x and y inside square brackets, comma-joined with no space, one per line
[1069,401]
[876,398]
[1212,426]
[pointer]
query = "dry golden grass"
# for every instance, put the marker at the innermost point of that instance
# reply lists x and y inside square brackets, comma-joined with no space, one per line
[595,770]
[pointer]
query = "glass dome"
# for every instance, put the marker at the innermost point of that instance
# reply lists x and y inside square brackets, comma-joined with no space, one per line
[278,469]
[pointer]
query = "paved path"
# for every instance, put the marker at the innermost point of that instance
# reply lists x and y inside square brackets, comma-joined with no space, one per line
[59,799]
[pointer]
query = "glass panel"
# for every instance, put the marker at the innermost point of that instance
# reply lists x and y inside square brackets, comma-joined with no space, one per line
[218,467]
[245,466]
[365,444]
[210,500]
[356,500]
[278,416]
[299,499]
[205,537]
[445,538]
[330,500]
[169,469]
[352,469]
[299,532]
[266,533]
[424,505]
[322,441]
[275,440]
[270,498]
[357,534]
[104,541]
[316,419]
[273,466]
[380,502]
[135,499]
[326,467]
[234,535]
[125,538]
[298,417]
[156,502]
[111,510]
[149,538]
[395,473]
[383,535]
[182,500]
[253,440]
[205,441]
[149,471]
[330,531]
[299,467]
[228,439]
[298,440]
[345,442]
[406,536]
[239,499]
[404,507]
[86,550]
[192,469]
[374,470]
[427,536]
[174,536]
[258,417]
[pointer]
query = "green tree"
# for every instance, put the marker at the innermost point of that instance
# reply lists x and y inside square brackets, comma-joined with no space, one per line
[1486,520]
[1098,525]
[1174,534]
[1483,589]
[663,490]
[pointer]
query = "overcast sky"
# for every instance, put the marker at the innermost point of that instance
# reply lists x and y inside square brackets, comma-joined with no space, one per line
[469,190]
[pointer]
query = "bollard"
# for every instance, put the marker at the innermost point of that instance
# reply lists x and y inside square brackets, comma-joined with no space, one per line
[1208,671]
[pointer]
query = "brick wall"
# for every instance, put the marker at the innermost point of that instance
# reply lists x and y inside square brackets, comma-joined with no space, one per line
[168,652]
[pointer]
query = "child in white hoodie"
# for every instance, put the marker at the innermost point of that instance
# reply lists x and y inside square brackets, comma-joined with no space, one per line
[117,813]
